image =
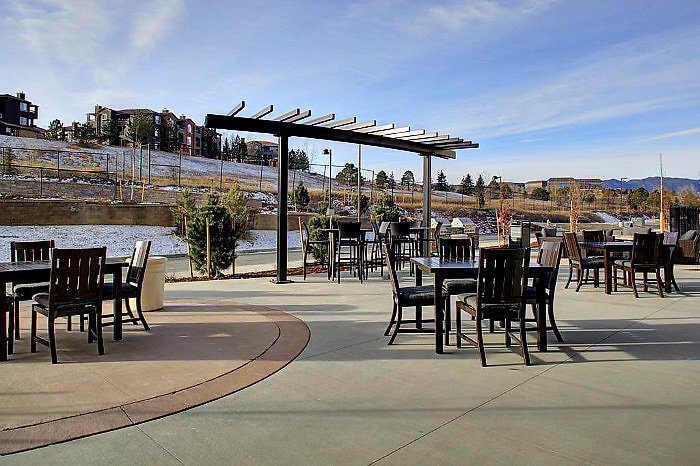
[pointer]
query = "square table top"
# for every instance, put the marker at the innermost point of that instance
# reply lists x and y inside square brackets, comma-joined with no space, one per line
[433,264]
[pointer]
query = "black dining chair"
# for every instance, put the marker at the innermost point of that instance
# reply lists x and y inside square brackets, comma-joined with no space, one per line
[27,251]
[581,264]
[646,258]
[132,287]
[501,296]
[456,249]
[76,287]
[401,242]
[671,243]
[349,248]
[408,296]
[374,258]
[549,255]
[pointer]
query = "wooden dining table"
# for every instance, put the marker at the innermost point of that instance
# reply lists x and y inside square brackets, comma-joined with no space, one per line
[610,248]
[39,271]
[449,269]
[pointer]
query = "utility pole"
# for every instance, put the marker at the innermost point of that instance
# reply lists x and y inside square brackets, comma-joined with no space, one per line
[621,180]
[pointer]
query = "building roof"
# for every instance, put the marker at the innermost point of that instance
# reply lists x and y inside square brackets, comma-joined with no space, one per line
[14,97]
[133,111]
[263,143]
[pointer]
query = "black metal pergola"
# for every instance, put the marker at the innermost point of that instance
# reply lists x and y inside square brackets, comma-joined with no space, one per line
[299,124]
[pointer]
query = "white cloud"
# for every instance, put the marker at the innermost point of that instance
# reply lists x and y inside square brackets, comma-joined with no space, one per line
[674,134]
[457,14]
[153,21]
[656,72]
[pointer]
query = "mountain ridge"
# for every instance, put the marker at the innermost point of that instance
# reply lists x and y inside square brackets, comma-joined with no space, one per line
[651,183]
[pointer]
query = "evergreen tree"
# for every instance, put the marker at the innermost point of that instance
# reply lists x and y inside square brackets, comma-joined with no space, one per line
[84,133]
[226,149]
[110,133]
[441,183]
[407,179]
[479,189]
[239,149]
[385,210]
[391,183]
[364,203]
[300,196]
[540,194]
[184,208]
[236,204]
[222,238]
[140,129]
[55,131]
[467,185]
[381,179]
[348,175]
[298,160]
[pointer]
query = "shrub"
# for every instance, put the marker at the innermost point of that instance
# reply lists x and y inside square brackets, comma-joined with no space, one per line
[300,197]
[236,204]
[184,208]
[316,225]
[385,210]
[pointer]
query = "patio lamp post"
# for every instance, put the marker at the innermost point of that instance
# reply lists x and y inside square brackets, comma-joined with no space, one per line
[329,153]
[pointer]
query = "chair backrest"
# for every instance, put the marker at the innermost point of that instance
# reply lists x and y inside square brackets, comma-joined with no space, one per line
[305,235]
[572,246]
[384,227]
[138,262]
[415,223]
[455,248]
[502,276]
[438,227]
[646,248]
[400,229]
[30,251]
[549,255]
[391,267]
[349,230]
[77,275]
[671,238]
[594,236]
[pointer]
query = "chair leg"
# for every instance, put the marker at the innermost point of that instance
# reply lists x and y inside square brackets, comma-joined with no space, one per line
[139,311]
[32,338]
[659,284]
[645,285]
[98,330]
[571,269]
[596,278]
[458,326]
[17,309]
[69,323]
[10,330]
[673,281]
[523,342]
[127,306]
[579,273]
[480,341]
[91,326]
[399,318]
[507,333]
[304,266]
[614,283]
[448,319]
[634,284]
[52,340]
[552,322]
[391,321]
[82,322]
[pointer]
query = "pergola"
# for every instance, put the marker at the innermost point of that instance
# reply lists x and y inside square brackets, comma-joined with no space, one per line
[299,124]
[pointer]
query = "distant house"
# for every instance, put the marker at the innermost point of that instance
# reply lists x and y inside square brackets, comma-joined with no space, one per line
[191,138]
[530,185]
[267,150]
[583,183]
[17,116]
[69,132]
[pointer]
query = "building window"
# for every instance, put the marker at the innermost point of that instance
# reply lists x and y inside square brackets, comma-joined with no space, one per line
[157,119]
[23,121]
[189,140]
[197,141]
[189,127]
[23,107]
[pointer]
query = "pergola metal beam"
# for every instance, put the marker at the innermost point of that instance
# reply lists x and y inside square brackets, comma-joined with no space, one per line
[319,120]
[415,132]
[461,145]
[372,129]
[321,132]
[365,124]
[421,136]
[237,109]
[265,111]
[387,132]
[287,115]
[301,116]
[433,139]
[336,124]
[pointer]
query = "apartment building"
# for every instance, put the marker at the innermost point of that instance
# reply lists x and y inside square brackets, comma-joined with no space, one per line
[17,116]
[266,149]
[531,185]
[584,183]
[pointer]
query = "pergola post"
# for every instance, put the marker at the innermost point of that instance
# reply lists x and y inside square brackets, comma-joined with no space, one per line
[282,206]
[427,192]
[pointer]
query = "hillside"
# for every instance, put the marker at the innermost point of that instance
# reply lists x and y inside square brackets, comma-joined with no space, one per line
[652,182]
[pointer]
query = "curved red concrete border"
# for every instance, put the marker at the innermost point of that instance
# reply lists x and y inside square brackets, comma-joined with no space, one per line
[293,337]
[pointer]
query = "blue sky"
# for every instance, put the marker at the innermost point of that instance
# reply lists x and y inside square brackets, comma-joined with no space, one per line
[548,88]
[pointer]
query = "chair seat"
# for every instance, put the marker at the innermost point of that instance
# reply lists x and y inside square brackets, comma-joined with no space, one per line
[459,286]
[591,262]
[128,291]
[417,296]
[70,308]
[25,291]
[627,264]
[319,241]
[499,308]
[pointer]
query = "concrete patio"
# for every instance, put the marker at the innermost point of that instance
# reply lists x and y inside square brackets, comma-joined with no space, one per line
[621,389]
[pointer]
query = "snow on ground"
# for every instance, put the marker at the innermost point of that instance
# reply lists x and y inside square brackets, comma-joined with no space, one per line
[119,239]
[607,218]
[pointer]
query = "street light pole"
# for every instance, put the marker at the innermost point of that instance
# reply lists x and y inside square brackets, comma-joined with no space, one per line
[329,153]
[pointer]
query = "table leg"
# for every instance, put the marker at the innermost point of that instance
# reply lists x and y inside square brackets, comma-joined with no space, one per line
[439,313]
[608,271]
[668,276]
[117,303]
[541,309]
[419,309]
[3,322]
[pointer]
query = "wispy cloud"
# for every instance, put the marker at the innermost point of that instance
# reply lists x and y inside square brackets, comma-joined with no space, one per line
[656,72]
[153,21]
[674,134]
[532,140]
[457,14]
